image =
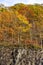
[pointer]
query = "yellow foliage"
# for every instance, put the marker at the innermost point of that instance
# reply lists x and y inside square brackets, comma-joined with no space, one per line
[24,21]
[22,18]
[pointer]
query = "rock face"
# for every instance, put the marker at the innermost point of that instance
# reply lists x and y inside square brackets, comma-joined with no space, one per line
[20,56]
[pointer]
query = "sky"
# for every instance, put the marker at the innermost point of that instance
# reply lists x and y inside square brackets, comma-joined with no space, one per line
[12,2]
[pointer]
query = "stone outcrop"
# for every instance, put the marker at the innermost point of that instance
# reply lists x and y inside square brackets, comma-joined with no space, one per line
[20,56]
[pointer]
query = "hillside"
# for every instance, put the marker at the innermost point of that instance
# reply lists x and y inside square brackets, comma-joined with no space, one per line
[21,24]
